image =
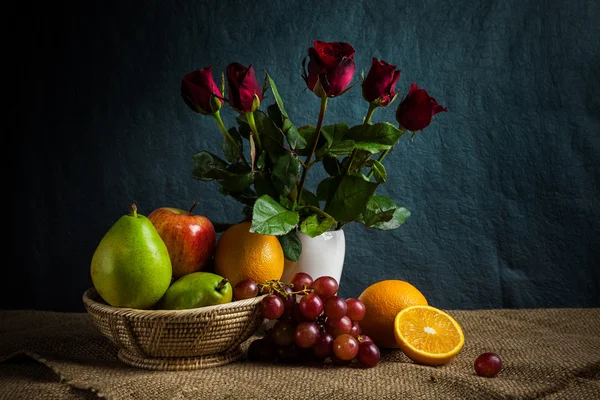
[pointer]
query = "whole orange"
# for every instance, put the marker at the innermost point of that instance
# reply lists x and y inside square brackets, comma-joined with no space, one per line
[383,301]
[241,254]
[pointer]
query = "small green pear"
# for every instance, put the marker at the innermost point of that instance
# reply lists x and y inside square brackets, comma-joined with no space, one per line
[131,266]
[198,289]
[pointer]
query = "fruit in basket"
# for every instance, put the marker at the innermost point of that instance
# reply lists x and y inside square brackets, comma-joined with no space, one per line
[242,254]
[383,301]
[131,265]
[190,238]
[198,289]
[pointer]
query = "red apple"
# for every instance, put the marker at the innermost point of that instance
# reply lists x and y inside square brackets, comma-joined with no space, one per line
[190,238]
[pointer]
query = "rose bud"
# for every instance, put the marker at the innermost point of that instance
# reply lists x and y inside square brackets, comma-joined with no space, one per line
[380,84]
[245,94]
[200,92]
[417,108]
[332,65]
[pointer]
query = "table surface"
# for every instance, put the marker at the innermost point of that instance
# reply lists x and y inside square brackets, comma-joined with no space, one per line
[547,353]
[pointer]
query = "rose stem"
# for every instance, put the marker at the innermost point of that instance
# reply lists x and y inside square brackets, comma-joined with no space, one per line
[252,123]
[217,117]
[372,108]
[317,135]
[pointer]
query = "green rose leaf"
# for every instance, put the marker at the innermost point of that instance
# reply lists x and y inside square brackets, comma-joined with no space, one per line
[229,151]
[274,113]
[263,185]
[380,133]
[379,209]
[379,172]
[349,198]
[334,133]
[295,140]
[356,164]
[291,245]
[236,182]
[309,199]
[313,228]
[337,149]
[280,119]
[270,135]
[271,218]
[246,196]
[332,166]
[400,216]
[207,166]
[371,147]
[278,99]
[307,135]
[327,187]
[285,172]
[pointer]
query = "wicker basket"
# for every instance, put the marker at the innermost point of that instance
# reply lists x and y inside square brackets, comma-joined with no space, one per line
[176,340]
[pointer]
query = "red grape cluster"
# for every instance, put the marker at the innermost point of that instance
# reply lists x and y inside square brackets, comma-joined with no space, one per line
[311,323]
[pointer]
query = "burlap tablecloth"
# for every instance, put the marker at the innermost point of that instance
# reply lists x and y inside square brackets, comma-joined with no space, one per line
[548,353]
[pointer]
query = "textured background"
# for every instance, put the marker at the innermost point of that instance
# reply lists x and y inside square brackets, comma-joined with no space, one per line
[504,189]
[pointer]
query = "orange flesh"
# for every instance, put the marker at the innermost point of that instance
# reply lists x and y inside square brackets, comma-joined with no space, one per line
[429,331]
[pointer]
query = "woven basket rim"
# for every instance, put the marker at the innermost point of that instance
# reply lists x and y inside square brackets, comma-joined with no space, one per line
[91,294]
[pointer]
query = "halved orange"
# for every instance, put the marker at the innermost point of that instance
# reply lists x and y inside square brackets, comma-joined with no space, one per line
[428,335]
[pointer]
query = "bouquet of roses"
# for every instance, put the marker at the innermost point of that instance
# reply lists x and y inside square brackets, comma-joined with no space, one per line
[267,158]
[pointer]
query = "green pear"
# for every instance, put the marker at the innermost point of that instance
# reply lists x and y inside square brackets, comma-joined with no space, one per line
[198,289]
[131,266]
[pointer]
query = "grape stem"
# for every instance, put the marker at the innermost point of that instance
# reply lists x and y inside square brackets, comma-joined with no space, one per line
[279,287]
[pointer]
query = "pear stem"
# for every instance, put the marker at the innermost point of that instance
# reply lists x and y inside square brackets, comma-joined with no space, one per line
[192,207]
[133,209]
[222,284]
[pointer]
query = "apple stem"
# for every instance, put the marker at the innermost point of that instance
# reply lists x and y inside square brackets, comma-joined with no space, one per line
[133,209]
[192,208]
[222,284]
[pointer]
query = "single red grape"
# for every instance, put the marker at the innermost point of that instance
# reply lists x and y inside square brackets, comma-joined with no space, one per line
[325,287]
[311,306]
[337,327]
[301,280]
[355,330]
[364,339]
[283,332]
[345,347]
[271,307]
[356,309]
[307,334]
[262,350]
[324,346]
[488,365]
[368,354]
[246,289]
[335,307]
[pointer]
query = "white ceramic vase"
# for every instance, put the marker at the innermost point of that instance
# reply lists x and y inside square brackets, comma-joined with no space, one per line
[321,256]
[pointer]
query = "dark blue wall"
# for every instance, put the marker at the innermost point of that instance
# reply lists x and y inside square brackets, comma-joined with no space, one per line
[504,189]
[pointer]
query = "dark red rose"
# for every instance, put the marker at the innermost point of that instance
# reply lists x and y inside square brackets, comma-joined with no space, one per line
[197,90]
[333,65]
[243,86]
[380,84]
[417,108]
